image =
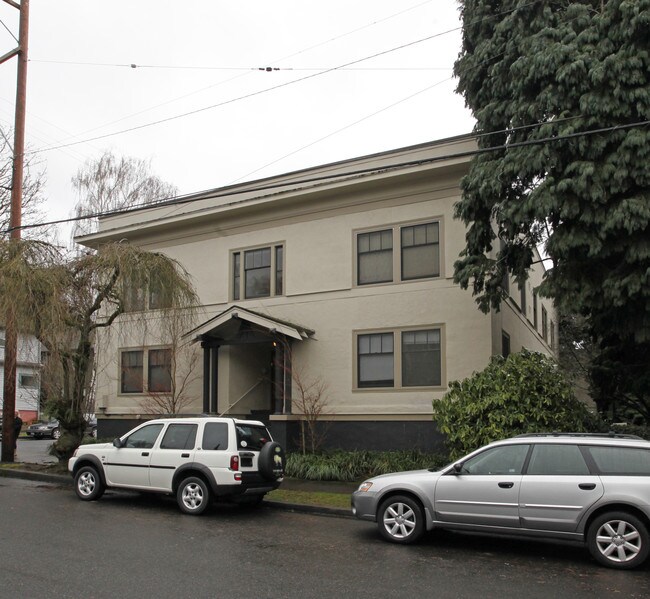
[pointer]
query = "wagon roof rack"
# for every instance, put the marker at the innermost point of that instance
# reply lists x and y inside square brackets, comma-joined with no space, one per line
[609,435]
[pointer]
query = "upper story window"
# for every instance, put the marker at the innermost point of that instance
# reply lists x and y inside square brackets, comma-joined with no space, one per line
[398,253]
[258,272]
[138,297]
[544,324]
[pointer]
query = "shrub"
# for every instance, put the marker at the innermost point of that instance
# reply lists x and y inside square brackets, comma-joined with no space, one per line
[525,393]
[353,466]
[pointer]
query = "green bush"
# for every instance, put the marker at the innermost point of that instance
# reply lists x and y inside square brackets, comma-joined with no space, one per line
[525,393]
[353,466]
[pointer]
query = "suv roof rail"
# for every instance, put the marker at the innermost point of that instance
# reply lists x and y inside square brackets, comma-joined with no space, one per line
[609,435]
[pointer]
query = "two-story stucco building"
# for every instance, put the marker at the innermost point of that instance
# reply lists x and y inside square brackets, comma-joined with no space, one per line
[341,273]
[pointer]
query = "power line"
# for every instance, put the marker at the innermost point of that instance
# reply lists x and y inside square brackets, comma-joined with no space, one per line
[250,95]
[266,69]
[219,83]
[9,31]
[194,197]
[279,86]
[342,129]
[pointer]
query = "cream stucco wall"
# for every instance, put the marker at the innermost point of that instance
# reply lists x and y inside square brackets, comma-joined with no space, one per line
[317,228]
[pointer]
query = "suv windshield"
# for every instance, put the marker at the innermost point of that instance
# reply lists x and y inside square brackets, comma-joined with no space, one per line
[251,437]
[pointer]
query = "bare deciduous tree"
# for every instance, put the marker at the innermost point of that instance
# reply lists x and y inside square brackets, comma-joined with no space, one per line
[181,368]
[110,184]
[33,183]
[310,400]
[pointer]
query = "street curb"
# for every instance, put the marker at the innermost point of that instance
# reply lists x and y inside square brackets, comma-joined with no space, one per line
[60,479]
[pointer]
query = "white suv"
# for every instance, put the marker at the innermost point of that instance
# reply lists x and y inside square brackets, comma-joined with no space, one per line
[196,459]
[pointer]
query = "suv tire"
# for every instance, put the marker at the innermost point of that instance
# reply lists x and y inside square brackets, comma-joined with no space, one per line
[193,495]
[271,461]
[618,540]
[88,484]
[401,519]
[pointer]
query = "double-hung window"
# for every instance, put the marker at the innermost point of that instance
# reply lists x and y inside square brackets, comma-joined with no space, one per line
[143,370]
[258,272]
[398,253]
[399,359]
[376,360]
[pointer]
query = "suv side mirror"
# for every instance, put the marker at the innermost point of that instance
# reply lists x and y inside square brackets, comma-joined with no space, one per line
[117,443]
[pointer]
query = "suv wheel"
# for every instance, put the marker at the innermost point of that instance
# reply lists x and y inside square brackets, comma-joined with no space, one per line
[618,540]
[88,484]
[193,496]
[401,519]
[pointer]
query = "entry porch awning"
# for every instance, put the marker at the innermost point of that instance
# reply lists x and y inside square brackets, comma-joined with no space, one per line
[238,325]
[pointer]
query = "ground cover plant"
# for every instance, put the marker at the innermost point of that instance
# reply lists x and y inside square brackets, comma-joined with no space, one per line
[353,466]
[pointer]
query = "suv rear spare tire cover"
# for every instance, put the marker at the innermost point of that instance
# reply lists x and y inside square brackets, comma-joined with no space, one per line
[271,461]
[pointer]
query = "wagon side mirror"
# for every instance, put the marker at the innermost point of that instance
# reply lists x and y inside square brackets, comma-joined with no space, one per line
[117,443]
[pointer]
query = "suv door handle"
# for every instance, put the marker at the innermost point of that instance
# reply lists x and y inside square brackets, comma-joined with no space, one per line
[506,485]
[145,453]
[587,486]
[185,455]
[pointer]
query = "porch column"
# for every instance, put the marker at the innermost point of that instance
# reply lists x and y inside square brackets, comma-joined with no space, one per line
[281,376]
[214,380]
[277,376]
[206,377]
[288,376]
[210,377]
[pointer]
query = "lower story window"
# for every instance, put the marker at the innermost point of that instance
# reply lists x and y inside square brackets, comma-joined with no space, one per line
[375,353]
[155,363]
[421,363]
[400,359]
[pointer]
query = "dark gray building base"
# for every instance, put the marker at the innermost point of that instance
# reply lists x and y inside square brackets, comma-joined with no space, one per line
[362,435]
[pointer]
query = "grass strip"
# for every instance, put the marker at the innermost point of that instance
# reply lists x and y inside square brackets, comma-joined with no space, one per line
[320,499]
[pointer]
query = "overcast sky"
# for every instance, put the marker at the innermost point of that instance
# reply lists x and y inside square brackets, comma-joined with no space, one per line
[203,57]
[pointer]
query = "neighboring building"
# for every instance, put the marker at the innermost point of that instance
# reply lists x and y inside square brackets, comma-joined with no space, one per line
[343,273]
[28,375]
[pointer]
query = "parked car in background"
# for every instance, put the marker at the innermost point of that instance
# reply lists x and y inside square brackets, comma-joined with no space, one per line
[593,489]
[91,426]
[193,459]
[41,430]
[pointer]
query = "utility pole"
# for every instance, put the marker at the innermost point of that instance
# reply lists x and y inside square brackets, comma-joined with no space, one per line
[15,221]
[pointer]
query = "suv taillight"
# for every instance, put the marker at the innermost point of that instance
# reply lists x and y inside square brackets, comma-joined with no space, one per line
[234,462]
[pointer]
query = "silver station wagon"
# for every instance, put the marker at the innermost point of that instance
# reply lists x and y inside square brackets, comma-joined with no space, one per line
[578,487]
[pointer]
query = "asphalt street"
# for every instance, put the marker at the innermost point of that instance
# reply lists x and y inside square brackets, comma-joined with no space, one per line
[132,545]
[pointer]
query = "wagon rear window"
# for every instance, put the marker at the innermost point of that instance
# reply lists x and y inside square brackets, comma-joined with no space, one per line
[622,460]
